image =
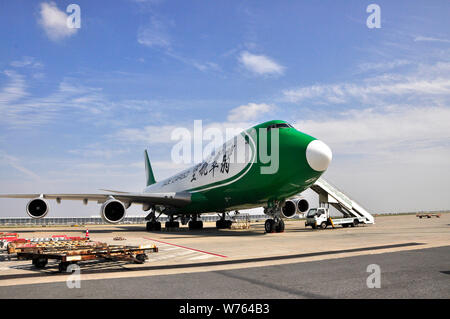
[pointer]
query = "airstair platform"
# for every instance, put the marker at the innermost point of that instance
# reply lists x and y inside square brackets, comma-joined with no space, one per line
[329,194]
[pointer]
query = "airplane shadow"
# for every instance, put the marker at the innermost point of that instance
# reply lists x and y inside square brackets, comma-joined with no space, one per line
[101,266]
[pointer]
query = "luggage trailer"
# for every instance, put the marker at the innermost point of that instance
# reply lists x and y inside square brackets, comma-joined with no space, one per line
[72,255]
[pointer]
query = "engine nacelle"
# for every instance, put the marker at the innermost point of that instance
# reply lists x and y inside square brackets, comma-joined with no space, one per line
[113,211]
[289,209]
[302,205]
[37,208]
[294,206]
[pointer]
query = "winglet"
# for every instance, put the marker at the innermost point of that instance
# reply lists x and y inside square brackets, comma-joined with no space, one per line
[148,170]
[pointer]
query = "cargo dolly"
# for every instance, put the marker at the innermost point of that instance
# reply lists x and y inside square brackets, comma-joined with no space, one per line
[12,241]
[17,246]
[99,251]
[428,215]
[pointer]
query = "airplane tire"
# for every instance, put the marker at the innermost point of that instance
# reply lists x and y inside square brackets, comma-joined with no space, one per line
[141,258]
[323,225]
[196,224]
[62,267]
[219,224]
[153,226]
[280,226]
[223,224]
[269,226]
[40,263]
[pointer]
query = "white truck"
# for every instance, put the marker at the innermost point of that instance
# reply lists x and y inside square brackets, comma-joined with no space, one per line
[320,217]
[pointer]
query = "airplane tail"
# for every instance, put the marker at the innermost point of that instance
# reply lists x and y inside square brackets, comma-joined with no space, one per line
[148,170]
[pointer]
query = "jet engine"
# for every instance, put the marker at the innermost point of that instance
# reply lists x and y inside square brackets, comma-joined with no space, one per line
[289,209]
[302,205]
[37,208]
[113,211]
[294,206]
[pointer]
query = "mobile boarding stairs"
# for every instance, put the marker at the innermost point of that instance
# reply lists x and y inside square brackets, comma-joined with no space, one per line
[330,195]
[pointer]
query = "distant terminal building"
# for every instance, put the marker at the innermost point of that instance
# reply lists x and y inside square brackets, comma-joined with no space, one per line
[96,220]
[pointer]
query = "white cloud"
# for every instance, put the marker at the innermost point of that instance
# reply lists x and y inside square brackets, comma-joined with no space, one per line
[382,66]
[26,61]
[151,134]
[15,163]
[260,64]
[98,152]
[54,22]
[248,112]
[154,34]
[15,90]
[201,66]
[382,131]
[427,82]
[430,39]
[17,108]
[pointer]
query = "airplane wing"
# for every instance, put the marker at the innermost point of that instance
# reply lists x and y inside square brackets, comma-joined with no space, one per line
[178,199]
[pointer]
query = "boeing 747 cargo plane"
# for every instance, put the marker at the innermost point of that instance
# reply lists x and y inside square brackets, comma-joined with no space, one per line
[239,175]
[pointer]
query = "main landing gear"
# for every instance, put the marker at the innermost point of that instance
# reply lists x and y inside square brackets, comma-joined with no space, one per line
[194,223]
[172,223]
[153,224]
[276,224]
[222,223]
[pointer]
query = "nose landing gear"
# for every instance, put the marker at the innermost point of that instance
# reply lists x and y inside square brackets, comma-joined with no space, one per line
[274,226]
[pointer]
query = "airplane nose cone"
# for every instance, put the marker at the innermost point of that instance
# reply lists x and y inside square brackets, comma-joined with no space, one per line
[318,155]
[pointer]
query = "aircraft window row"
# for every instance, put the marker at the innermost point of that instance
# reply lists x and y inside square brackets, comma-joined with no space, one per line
[278,125]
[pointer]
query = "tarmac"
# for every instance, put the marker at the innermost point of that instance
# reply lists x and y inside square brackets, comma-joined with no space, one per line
[412,254]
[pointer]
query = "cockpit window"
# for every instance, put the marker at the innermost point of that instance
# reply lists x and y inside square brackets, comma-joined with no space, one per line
[278,125]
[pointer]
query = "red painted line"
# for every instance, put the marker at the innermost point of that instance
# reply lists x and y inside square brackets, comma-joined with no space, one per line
[201,251]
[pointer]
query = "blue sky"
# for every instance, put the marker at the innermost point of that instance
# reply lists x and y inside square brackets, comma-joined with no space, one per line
[78,106]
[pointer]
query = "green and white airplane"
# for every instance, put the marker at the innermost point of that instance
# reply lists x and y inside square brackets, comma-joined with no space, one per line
[239,175]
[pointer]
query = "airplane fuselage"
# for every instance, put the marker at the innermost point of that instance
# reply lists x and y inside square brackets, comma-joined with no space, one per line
[220,183]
